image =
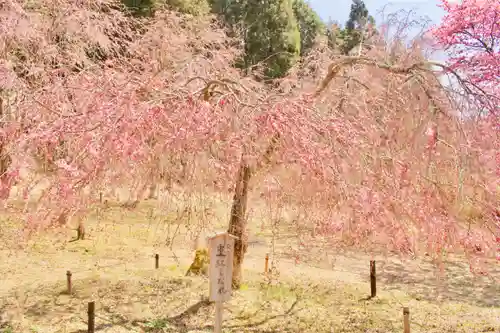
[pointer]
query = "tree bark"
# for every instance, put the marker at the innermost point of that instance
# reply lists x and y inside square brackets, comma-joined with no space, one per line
[5,159]
[238,223]
[154,177]
[152,190]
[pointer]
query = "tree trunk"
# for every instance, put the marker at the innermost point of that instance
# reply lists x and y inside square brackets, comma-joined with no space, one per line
[154,179]
[238,223]
[5,159]
[152,191]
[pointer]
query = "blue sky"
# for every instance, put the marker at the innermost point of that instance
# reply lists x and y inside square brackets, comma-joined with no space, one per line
[338,10]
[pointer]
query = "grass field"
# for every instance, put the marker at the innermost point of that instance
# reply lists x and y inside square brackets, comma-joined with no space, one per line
[114,266]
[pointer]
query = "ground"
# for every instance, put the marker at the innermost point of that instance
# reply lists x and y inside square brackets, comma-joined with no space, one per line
[115,267]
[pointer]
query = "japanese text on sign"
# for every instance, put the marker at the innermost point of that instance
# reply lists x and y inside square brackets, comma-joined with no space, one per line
[221,267]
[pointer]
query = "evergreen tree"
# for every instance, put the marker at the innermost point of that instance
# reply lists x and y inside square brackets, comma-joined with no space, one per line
[357,16]
[277,32]
[333,34]
[355,26]
[310,25]
[140,7]
[272,36]
[232,11]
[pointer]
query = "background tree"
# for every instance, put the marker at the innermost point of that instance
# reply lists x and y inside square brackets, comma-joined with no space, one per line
[147,8]
[310,25]
[193,7]
[141,7]
[333,34]
[232,12]
[271,36]
[353,33]
[277,35]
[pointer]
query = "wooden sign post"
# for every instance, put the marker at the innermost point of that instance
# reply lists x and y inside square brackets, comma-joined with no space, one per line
[221,249]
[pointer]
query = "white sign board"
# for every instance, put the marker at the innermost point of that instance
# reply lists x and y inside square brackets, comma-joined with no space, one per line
[221,266]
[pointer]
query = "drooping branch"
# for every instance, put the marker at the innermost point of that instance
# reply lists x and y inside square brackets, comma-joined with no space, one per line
[335,68]
[271,148]
[238,218]
[421,66]
[210,88]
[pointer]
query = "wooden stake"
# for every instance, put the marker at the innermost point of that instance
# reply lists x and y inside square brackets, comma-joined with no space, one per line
[157,261]
[266,266]
[406,320]
[68,280]
[218,317]
[91,317]
[373,279]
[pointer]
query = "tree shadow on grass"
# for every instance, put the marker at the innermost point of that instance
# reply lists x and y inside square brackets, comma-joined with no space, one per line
[109,324]
[181,325]
[42,308]
[255,324]
[455,283]
[52,305]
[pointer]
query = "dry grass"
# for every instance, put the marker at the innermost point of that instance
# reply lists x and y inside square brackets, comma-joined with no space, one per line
[115,267]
